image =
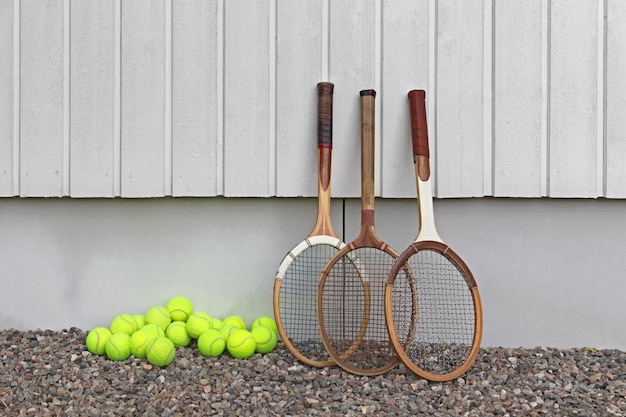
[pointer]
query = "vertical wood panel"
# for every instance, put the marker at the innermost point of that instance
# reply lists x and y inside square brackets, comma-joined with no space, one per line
[194,96]
[616,99]
[518,95]
[41,113]
[143,99]
[6,98]
[352,69]
[91,100]
[459,120]
[573,83]
[299,51]
[403,68]
[246,98]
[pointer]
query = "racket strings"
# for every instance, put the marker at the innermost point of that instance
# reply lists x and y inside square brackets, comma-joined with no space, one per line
[297,301]
[352,311]
[438,335]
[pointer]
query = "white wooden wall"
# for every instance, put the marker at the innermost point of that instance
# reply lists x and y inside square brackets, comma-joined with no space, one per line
[151,98]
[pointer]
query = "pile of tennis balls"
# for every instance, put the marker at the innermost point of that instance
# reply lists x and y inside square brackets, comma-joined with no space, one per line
[157,334]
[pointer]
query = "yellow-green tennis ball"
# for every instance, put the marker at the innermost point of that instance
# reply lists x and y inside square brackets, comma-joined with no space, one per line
[139,342]
[161,351]
[141,339]
[97,339]
[139,320]
[211,343]
[227,329]
[123,323]
[216,323]
[180,308]
[235,321]
[158,315]
[241,344]
[177,333]
[118,347]
[265,339]
[265,321]
[153,330]
[198,323]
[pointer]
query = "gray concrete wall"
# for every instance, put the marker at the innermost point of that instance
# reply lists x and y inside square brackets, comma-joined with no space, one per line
[550,271]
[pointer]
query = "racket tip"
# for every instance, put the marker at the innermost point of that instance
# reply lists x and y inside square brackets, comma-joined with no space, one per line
[417,94]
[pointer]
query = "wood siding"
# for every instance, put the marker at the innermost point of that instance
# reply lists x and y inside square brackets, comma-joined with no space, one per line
[152,98]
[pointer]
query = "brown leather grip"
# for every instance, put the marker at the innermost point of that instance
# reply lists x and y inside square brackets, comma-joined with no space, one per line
[419,128]
[325,113]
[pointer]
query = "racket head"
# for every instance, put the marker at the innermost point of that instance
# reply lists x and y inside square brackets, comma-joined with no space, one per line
[437,331]
[295,288]
[350,307]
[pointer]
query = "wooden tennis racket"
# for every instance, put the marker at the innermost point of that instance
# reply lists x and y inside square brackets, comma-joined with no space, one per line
[295,285]
[351,289]
[437,333]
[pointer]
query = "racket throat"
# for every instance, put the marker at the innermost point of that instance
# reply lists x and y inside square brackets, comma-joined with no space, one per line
[427,229]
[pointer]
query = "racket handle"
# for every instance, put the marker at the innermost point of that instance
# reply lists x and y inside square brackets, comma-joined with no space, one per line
[419,128]
[325,113]
[368,99]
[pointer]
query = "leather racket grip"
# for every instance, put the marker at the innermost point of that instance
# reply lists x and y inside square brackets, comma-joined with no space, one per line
[325,113]
[419,128]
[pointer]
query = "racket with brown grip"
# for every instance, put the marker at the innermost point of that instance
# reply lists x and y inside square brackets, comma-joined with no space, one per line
[436,334]
[350,294]
[297,277]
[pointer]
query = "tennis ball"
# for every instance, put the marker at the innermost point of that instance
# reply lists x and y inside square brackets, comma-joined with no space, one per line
[241,344]
[216,323]
[118,347]
[97,340]
[141,339]
[177,333]
[161,352]
[235,321]
[139,320]
[211,343]
[123,323]
[158,315]
[265,321]
[227,329]
[198,323]
[265,339]
[153,330]
[139,342]
[180,308]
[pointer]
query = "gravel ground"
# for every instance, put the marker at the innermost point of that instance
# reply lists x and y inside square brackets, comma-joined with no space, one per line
[49,373]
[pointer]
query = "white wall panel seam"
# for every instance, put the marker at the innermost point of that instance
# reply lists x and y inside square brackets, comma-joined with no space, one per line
[219,145]
[601,177]
[117,98]
[378,85]
[431,94]
[487,98]
[16,97]
[167,102]
[66,97]
[271,97]
[545,99]
[325,58]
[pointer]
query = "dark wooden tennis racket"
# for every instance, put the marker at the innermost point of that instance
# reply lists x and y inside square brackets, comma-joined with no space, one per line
[295,285]
[350,294]
[437,332]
